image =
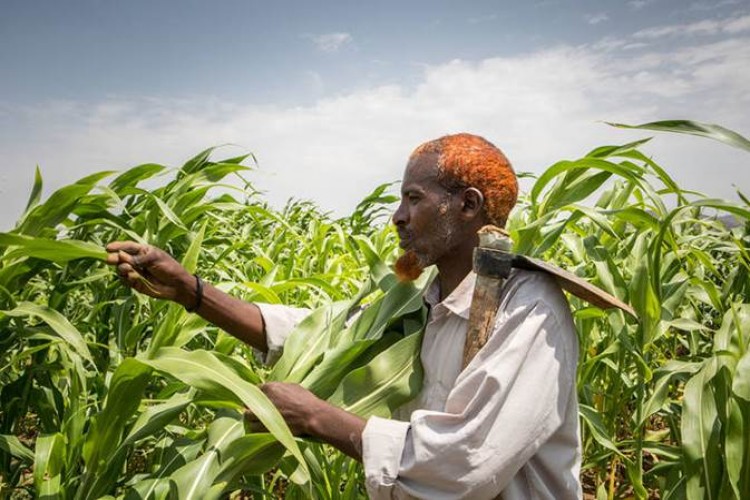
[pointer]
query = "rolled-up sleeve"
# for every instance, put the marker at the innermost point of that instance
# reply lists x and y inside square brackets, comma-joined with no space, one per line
[383,444]
[511,398]
[279,321]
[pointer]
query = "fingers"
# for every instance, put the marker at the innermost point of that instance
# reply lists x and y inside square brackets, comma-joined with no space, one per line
[128,268]
[138,255]
[123,269]
[131,247]
[129,276]
[113,258]
[252,424]
[146,269]
[120,251]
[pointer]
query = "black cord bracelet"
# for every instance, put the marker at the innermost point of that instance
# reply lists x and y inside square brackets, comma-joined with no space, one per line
[198,294]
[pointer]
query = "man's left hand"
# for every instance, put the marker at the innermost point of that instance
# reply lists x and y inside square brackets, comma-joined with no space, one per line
[296,404]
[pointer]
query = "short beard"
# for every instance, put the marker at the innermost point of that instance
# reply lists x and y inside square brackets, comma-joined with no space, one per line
[408,267]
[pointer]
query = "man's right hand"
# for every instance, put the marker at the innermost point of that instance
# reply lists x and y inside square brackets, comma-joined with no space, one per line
[152,271]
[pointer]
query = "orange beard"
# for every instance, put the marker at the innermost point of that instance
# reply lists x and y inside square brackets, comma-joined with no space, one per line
[407,267]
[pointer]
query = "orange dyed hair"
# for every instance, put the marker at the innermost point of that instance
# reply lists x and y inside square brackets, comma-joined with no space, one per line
[466,160]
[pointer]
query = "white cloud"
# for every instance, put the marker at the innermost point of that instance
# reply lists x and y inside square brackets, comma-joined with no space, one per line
[638,4]
[331,42]
[708,6]
[483,19]
[596,18]
[738,25]
[705,27]
[538,107]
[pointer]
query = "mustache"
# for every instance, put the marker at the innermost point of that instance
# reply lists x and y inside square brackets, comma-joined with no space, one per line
[408,267]
[403,233]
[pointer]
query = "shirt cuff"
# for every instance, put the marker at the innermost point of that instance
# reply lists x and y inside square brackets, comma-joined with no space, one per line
[383,443]
[279,321]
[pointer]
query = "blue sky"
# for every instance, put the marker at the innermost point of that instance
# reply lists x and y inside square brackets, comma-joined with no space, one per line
[344,90]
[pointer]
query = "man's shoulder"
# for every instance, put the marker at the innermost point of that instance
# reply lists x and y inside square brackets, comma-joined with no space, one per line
[535,290]
[532,285]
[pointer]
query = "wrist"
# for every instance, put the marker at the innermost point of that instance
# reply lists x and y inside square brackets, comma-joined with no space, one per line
[187,291]
[317,414]
[198,295]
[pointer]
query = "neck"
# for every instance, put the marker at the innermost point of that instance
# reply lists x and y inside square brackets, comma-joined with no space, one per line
[452,271]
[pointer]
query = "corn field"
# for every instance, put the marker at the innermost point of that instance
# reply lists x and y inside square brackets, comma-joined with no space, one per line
[106,393]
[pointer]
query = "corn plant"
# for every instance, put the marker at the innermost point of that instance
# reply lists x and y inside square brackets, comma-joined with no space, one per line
[136,396]
[649,427]
[107,393]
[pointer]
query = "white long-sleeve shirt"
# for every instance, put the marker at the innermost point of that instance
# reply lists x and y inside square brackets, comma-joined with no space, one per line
[506,427]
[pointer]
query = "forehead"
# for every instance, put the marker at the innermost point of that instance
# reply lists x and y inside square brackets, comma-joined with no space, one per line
[421,172]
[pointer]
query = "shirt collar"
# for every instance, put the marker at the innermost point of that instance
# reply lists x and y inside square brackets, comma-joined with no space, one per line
[459,301]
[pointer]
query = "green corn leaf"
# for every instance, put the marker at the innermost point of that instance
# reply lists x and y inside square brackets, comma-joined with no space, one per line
[607,151]
[60,251]
[635,216]
[204,371]
[736,451]
[194,480]
[334,365]
[598,218]
[660,172]
[49,460]
[133,176]
[381,274]
[190,260]
[168,213]
[181,327]
[309,340]
[700,435]
[13,446]
[250,455]
[36,190]
[215,172]
[184,331]
[150,489]
[391,379]
[708,130]
[58,206]
[593,421]
[101,451]
[262,293]
[169,328]
[664,377]
[582,164]
[741,382]
[635,478]
[568,193]
[156,417]
[197,162]
[645,301]
[177,454]
[734,333]
[239,159]
[59,324]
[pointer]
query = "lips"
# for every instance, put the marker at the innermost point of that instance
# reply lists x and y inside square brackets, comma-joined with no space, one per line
[404,239]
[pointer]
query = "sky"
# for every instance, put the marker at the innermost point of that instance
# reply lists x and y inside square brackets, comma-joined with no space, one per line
[332,96]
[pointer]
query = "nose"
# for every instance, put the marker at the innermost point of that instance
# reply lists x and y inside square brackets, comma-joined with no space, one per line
[400,215]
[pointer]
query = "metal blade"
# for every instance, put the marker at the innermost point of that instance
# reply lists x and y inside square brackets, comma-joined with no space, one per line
[573,284]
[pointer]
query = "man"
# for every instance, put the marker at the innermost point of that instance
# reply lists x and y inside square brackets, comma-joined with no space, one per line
[505,426]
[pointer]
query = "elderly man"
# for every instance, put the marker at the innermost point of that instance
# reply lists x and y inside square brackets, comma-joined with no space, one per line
[507,425]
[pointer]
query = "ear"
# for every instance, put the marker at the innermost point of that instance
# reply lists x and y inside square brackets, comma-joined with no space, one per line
[473,203]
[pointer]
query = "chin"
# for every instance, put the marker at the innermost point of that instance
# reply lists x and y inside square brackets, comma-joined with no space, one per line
[409,266]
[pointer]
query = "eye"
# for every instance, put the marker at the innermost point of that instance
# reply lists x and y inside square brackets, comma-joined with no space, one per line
[413,197]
